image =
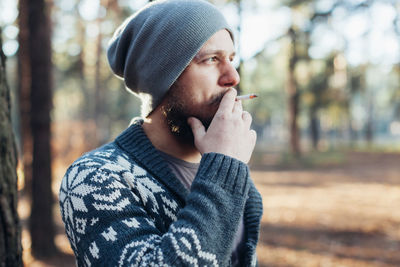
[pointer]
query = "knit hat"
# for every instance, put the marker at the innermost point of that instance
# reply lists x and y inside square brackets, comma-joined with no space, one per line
[151,49]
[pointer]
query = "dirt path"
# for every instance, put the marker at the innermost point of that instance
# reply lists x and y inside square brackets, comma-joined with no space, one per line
[346,215]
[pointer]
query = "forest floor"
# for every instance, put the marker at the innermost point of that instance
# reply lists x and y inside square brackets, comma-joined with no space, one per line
[341,213]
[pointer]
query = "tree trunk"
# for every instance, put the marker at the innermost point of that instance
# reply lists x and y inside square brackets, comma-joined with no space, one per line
[41,219]
[24,95]
[10,232]
[81,38]
[99,112]
[293,97]
[314,128]
[369,127]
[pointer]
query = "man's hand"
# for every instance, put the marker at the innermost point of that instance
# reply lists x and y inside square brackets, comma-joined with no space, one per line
[229,132]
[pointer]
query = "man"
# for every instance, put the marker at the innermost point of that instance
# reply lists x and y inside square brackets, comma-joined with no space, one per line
[174,188]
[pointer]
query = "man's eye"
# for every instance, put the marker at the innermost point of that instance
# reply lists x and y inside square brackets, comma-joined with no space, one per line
[211,59]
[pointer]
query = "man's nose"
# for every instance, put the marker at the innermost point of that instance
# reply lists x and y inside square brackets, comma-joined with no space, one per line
[229,75]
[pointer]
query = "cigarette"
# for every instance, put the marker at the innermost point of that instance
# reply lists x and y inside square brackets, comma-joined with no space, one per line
[243,97]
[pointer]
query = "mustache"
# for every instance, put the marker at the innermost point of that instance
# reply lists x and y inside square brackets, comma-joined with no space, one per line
[216,99]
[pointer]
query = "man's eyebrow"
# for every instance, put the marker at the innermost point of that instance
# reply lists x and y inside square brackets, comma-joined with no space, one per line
[213,52]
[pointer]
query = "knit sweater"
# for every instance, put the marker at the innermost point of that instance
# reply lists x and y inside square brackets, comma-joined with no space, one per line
[122,206]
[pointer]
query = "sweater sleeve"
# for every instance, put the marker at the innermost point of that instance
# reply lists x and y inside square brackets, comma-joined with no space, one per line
[114,214]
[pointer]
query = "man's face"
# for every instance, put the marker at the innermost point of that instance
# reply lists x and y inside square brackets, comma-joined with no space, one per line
[199,89]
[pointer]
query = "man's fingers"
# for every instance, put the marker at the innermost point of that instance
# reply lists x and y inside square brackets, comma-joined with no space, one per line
[247,119]
[253,135]
[238,108]
[197,128]
[228,101]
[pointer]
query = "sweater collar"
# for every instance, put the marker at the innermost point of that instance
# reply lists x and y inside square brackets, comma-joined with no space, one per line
[137,145]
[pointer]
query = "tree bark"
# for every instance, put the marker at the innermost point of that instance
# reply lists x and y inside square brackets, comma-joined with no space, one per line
[10,231]
[41,219]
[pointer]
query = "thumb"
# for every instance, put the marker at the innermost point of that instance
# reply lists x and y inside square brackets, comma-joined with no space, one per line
[197,128]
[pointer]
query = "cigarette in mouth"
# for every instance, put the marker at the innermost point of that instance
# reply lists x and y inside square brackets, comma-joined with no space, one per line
[244,97]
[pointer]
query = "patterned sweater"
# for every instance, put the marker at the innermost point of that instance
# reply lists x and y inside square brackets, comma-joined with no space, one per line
[122,206]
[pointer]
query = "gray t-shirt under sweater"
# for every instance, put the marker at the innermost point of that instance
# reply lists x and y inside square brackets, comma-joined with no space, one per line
[185,172]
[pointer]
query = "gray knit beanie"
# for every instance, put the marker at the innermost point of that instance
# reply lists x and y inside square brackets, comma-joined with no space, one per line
[151,49]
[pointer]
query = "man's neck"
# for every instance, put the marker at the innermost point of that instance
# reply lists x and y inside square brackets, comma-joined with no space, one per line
[158,132]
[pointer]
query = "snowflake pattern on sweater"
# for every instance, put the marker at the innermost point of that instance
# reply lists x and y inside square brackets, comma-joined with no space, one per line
[120,211]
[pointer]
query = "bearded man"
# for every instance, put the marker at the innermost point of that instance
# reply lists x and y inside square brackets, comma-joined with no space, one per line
[174,188]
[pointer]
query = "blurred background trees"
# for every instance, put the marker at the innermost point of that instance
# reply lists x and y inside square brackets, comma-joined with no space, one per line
[336,80]
[327,73]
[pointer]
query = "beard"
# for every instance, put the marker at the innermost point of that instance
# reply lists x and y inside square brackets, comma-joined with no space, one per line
[179,106]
